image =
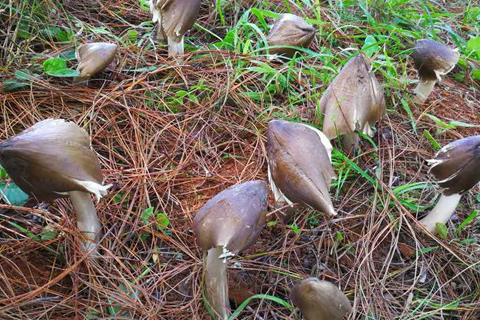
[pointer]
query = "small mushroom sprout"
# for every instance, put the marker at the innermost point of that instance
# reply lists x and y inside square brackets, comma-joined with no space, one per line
[320,300]
[432,60]
[299,165]
[94,58]
[227,224]
[53,159]
[456,167]
[287,32]
[354,101]
[174,18]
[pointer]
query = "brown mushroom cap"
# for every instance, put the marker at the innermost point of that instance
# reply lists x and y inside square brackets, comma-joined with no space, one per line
[52,158]
[354,101]
[299,164]
[433,59]
[178,16]
[94,57]
[290,30]
[234,218]
[457,165]
[320,300]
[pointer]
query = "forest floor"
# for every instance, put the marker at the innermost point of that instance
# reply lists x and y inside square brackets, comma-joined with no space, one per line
[170,134]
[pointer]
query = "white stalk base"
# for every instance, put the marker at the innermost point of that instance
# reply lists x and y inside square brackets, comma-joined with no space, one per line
[441,212]
[423,90]
[216,286]
[175,48]
[87,220]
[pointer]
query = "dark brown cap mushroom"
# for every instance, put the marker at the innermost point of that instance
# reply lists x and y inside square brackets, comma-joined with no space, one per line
[432,61]
[290,31]
[94,58]
[320,300]
[175,18]
[227,224]
[456,167]
[354,101]
[299,165]
[53,159]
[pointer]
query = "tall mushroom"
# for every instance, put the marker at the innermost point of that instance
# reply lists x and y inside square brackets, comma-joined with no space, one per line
[290,31]
[320,300]
[53,159]
[456,167]
[174,18]
[299,165]
[94,58]
[354,101]
[227,224]
[432,60]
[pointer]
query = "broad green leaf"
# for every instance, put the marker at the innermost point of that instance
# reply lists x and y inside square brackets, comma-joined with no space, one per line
[474,45]
[162,221]
[12,194]
[476,74]
[58,67]
[370,46]
[146,215]
[441,229]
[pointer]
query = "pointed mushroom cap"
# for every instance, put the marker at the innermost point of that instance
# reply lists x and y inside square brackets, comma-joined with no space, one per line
[433,59]
[178,16]
[354,101]
[320,300]
[234,218]
[290,30]
[456,167]
[52,158]
[94,57]
[299,164]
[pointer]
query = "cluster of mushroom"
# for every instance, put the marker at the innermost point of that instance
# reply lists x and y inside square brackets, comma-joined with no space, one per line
[53,159]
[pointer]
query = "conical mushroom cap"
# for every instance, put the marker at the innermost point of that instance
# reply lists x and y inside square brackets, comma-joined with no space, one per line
[52,158]
[320,300]
[354,101]
[178,16]
[299,164]
[94,58]
[234,218]
[290,30]
[457,165]
[433,59]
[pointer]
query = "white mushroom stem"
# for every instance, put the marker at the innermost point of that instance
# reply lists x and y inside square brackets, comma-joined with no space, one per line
[175,48]
[87,219]
[442,212]
[160,35]
[423,90]
[216,283]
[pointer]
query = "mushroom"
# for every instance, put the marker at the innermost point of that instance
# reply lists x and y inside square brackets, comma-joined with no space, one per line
[175,18]
[320,300]
[93,58]
[290,31]
[354,101]
[53,159]
[432,60]
[456,167]
[227,224]
[299,165]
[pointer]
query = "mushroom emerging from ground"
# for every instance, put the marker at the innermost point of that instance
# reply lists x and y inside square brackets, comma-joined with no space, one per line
[53,159]
[320,300]
[174,18]
[94,58]
[299,165]
[432,61]
[456,167]
[227,224]
[291,31]
[354,101]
